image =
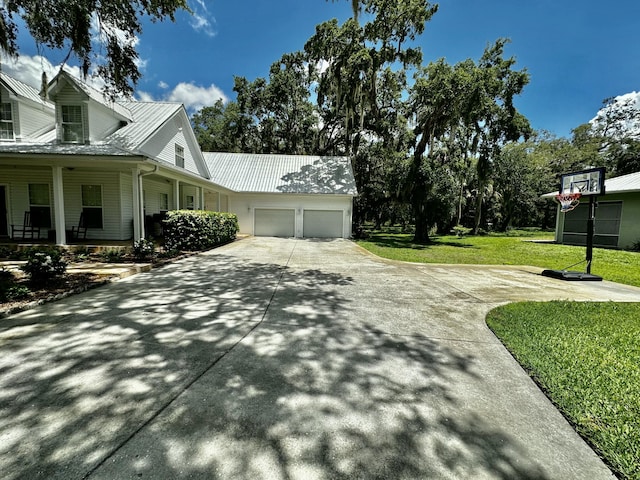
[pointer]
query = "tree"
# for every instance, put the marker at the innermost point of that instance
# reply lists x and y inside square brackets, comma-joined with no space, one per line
[220,128]
[69,26]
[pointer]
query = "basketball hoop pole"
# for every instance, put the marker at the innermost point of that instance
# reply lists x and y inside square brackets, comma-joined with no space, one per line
[590,230]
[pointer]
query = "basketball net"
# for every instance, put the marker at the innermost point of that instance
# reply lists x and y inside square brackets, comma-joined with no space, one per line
[568,201]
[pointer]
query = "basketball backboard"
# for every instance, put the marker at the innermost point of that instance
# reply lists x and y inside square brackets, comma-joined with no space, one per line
[584,182]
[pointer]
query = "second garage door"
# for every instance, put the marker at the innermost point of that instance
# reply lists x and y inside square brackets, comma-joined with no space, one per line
[322,224]
[274,222]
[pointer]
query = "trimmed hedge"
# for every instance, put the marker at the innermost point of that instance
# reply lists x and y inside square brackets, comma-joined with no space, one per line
[194,230]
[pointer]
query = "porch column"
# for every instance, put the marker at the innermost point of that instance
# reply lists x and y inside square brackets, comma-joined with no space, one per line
[58,206]
[201,199]
[218,209]
[176,194]
[138,223]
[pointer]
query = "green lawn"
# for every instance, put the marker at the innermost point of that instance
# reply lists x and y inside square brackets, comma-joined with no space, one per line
[586,357]
[517,248]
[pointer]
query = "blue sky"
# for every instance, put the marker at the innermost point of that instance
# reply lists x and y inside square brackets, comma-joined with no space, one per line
[577,52]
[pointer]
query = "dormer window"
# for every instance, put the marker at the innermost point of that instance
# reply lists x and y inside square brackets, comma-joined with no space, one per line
[6,122]
[179,156]
[72,128]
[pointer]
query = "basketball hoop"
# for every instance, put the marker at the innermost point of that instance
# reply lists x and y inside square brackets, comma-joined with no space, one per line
[568,201]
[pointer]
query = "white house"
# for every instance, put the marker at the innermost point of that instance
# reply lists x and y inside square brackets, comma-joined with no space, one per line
[119,165]
[617,219]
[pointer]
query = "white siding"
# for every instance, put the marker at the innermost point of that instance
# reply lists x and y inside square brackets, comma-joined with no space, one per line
[152,190]
[18,184]
[101,122]
[111,216]
[35,120]
[244,205]
[162,145]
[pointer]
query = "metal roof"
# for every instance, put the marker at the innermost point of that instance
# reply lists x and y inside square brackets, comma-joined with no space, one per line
[269,173]
[24,90]
[147,117]
[63,149]
[623,184]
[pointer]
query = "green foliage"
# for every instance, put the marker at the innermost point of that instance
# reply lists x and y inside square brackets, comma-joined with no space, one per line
[461,231]
[69,26]
[143,249]
[10,289]
[44,265]
[194,230]
[585,356]
[112,255]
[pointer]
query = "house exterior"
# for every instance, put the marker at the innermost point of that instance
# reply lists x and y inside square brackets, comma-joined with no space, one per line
[617,219]
[287,195]
[119,165]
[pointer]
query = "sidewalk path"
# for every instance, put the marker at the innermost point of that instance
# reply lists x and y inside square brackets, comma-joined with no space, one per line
[285,359]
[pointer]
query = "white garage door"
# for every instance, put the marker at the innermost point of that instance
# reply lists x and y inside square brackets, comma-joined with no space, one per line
[274,222]
[322,224]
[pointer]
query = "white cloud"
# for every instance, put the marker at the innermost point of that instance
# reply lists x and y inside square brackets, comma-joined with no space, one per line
[163,85]
[201,19]
[195,97]
[29,69]
[192,96]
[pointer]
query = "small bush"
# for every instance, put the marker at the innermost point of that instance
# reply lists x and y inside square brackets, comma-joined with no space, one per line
[143,249]
[112,255]
[461,231]
[9,289]
[194,230]
[43,266]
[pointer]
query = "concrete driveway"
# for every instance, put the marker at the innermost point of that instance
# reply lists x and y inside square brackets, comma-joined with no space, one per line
[285,359]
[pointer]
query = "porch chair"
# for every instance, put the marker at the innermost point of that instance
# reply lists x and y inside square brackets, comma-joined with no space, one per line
[26,230]
[80,229]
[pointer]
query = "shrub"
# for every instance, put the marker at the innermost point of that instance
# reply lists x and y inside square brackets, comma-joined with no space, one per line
[9,289]
[112,255]
[193,230]
[43,266]
[461,231]
[143,249]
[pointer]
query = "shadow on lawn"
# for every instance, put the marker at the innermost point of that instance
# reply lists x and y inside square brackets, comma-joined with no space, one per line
[406,241]
[145,378]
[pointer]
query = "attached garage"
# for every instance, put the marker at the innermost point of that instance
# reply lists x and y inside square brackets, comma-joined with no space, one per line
[287,195]
[322,224]
[274,222]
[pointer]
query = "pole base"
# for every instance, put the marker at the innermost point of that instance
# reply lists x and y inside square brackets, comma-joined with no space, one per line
[571,275]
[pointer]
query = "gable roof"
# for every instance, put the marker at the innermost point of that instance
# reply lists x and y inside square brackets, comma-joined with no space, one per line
[146,118]
[269,173]
[98,97]
[623,184]
[23,90]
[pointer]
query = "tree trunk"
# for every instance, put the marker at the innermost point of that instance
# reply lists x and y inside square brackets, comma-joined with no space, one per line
[422,227]
[478,215]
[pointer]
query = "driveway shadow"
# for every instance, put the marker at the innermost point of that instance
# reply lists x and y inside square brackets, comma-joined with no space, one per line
[195,371]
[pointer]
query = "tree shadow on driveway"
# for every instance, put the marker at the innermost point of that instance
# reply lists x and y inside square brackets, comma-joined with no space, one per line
[216,367]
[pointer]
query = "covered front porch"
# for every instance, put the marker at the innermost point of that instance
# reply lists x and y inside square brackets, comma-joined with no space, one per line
[94,201]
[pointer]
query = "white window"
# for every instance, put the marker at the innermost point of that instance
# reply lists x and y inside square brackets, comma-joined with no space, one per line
[164,201]
[92,205]
[179,156]
[72,128]
[6,122]
[40,205]
[190,203]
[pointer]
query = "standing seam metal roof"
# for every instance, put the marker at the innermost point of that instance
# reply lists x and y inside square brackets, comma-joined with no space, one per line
[26,91]
[269,173]
[147,118]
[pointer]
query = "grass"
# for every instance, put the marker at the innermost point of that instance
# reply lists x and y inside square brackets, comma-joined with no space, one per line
[586,357]
[516,248]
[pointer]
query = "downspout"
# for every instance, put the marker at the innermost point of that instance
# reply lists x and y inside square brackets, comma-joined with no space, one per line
[140,212]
